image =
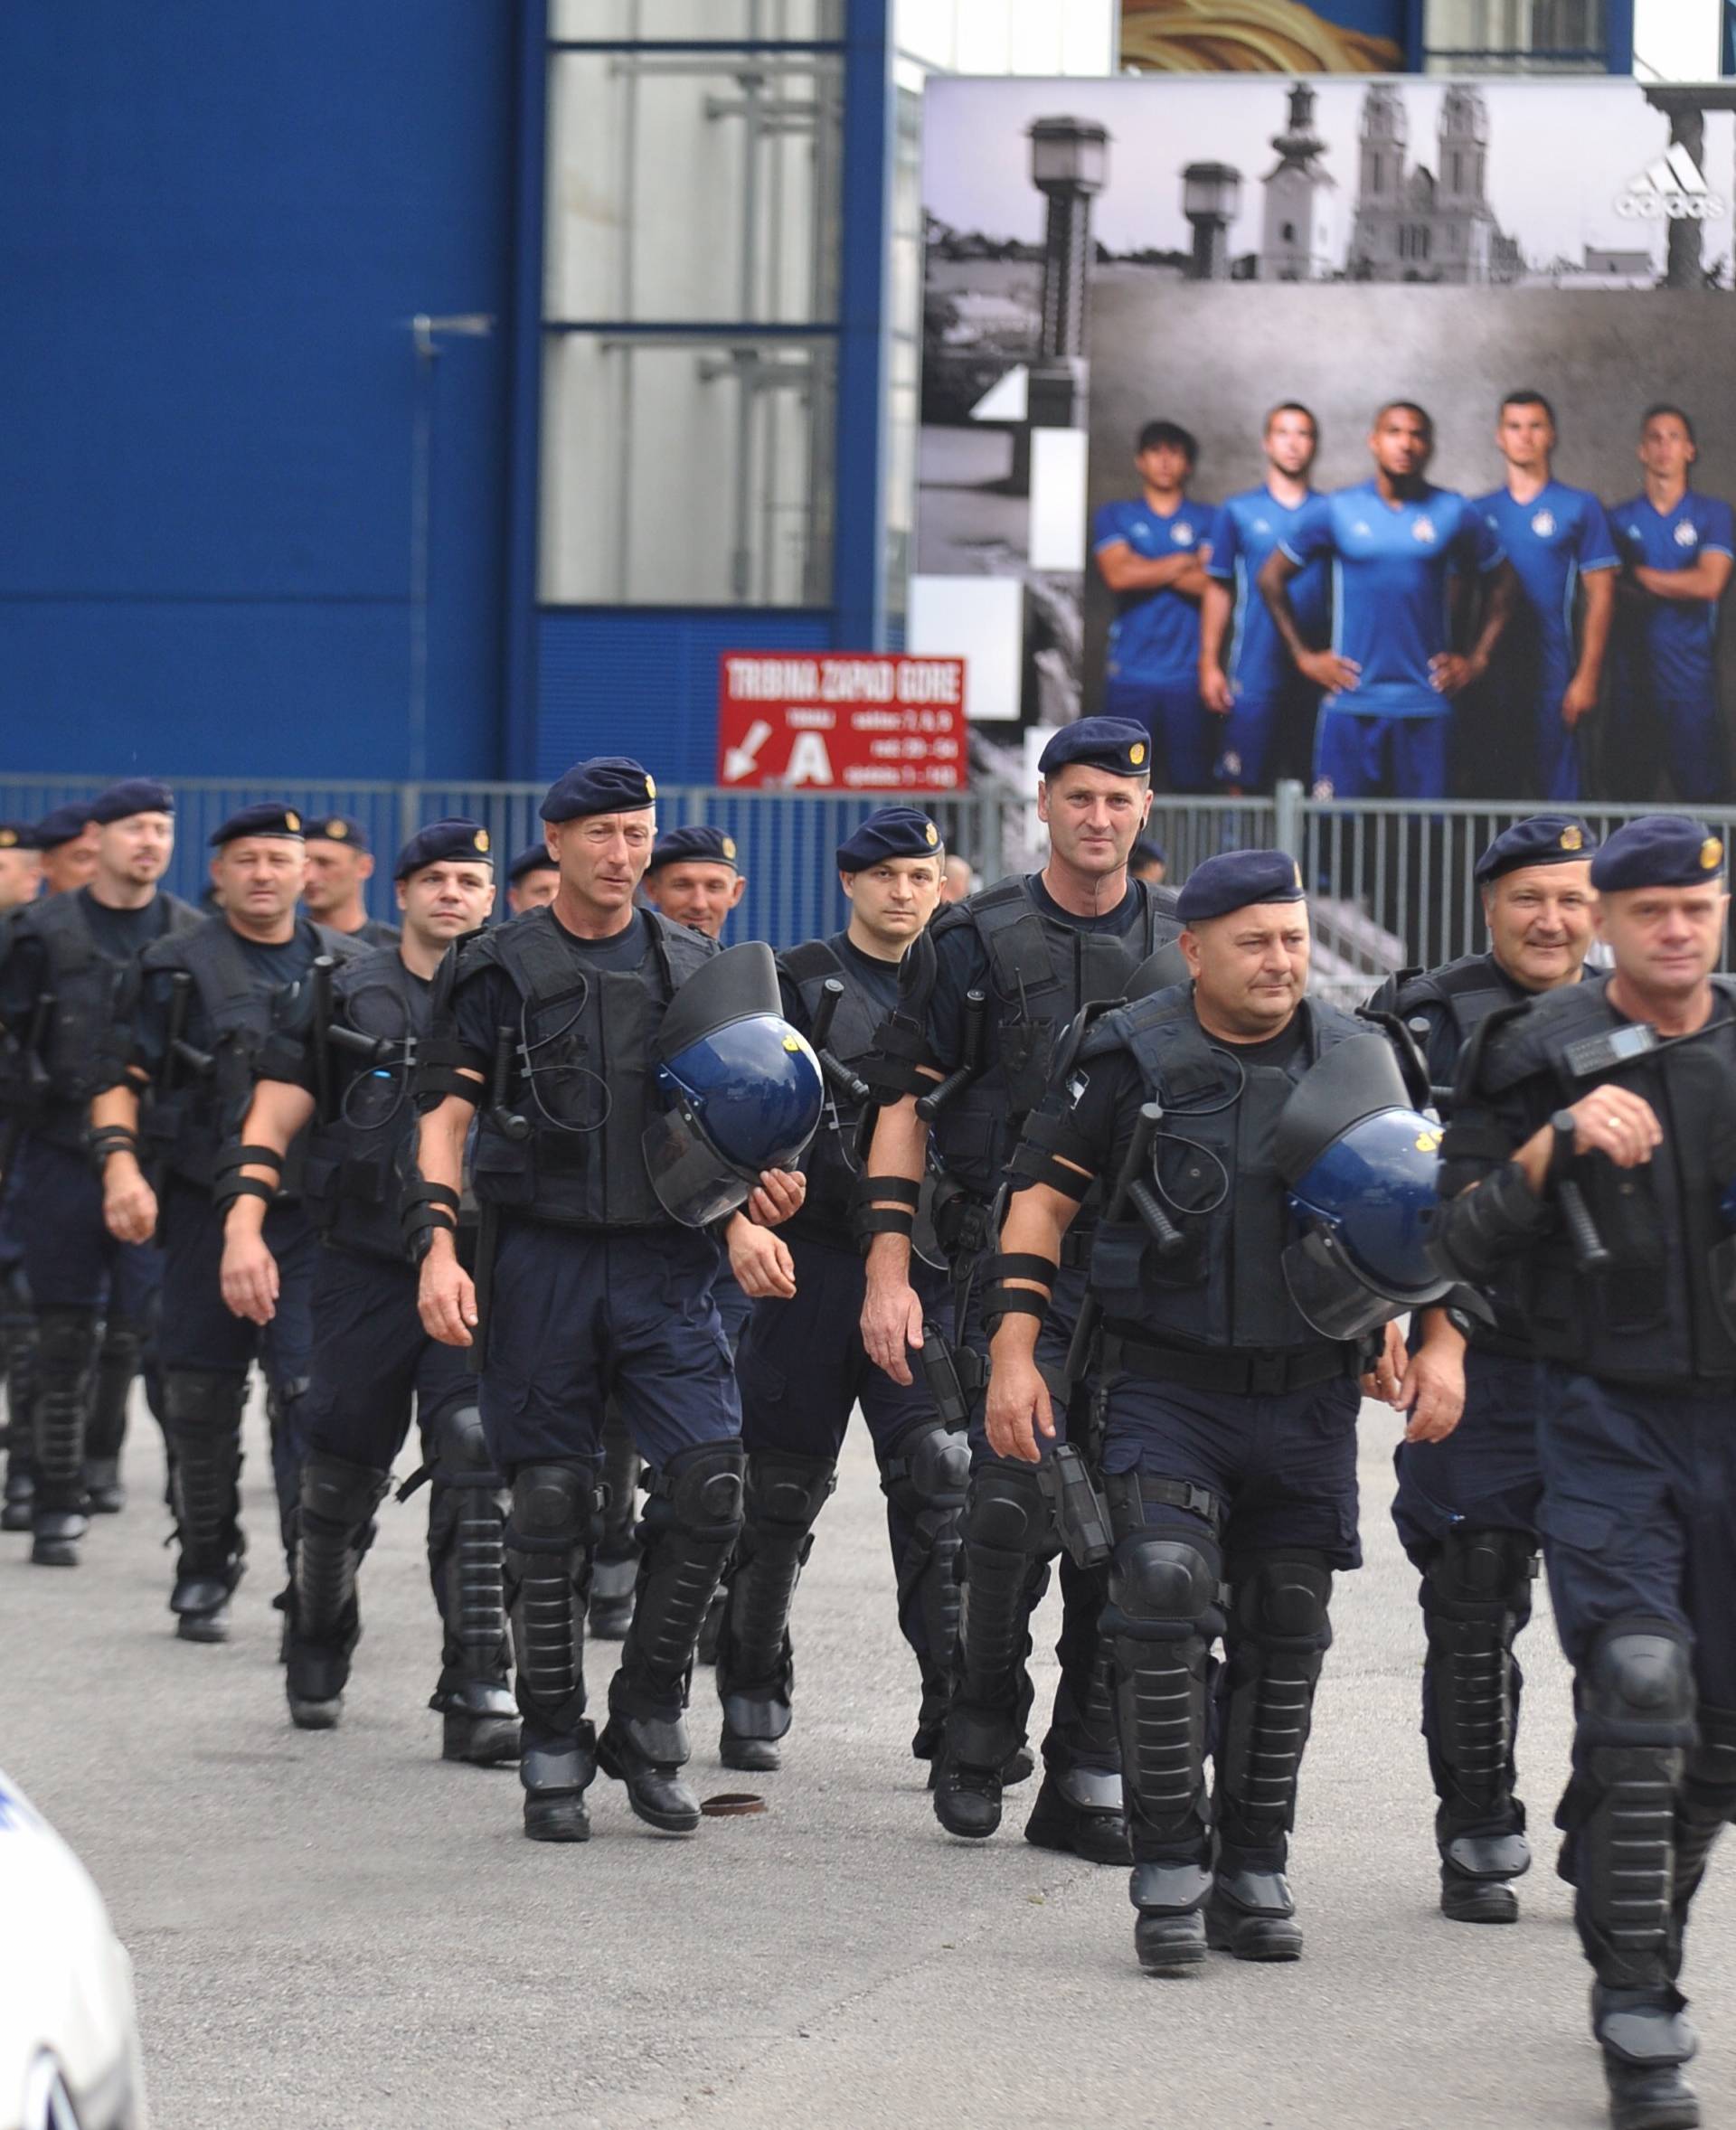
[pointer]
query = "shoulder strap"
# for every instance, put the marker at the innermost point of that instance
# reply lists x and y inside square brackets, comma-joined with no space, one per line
[535,960]
[811,963]
[1172,1055]
[64,927]
[214,956]
[680,950]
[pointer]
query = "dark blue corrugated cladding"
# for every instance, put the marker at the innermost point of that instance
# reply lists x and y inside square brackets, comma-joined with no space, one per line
[215,226]
[643,681]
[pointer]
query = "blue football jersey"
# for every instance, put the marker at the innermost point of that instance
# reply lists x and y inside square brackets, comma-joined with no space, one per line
[1391,567]
[1154,637]
[1247,528]
[1677,637]
[1552,541]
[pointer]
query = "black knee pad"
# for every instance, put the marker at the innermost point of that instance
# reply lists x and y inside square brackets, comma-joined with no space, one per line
[1005,1511]
[1164,1584]
[702,1489]
[1636,1686]
[66,1340]
[201,1402]
[338,1493]
[458,1448]
[929,1468]
[786,1489]
[553,1508]
[1280,1600]
[1482,1575]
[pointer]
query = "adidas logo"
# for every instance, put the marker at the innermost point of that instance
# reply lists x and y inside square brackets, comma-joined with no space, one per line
[1671,189]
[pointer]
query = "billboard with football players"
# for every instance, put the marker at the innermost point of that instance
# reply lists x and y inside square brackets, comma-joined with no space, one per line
[1378,432]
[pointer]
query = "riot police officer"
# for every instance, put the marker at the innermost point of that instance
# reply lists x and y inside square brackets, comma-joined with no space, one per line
[563,1034]
[347,1083]
[1588,1173]
[70,958]
[1273,1181]
[693,879]
[21,875]
[532,880]
[340,865]
[978,1021]
[800,1365]
[171,1096]
[1467,1504]
[66,839]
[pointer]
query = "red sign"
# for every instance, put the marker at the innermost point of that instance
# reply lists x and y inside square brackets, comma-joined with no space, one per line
[840,720]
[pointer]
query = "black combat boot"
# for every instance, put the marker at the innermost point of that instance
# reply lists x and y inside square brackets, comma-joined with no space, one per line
[203,1426]
[467,1520]
[546,1560]
[334,1529]
[756,1668]
[66,1355]
[692,1519]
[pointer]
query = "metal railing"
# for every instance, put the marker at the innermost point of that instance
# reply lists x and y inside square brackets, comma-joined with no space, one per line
[1390,881]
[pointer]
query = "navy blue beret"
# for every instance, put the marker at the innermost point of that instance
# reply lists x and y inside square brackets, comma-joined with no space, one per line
[336,828]
[133,795]
[443,839]
[18,835]
[1146,851]
[535,860]
[1658,850]
[607,784]
[703,845]
[1545,839]
[1114,744]
[65,824]
[891,832]
[1235,879]
[267,818]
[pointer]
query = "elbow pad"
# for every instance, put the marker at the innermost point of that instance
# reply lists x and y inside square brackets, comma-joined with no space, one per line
[1474,1234]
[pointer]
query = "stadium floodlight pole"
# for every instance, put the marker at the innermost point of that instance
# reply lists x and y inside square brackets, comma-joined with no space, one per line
[1069,165]
[426,332]
[1211,200]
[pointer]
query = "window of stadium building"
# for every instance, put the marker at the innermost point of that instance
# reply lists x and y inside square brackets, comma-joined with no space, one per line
[627,21]
[1530,36]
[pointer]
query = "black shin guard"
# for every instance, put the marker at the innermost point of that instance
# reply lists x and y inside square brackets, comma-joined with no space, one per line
[693,1520]
[203,1426]
[925,1479]
[466,1518]
[616,1569]
[1277,1639]
[1475,1598]
[1634,1724]
[65,1372]
[335,1529]
[1704,1806]
[781,1497]
[547,1559]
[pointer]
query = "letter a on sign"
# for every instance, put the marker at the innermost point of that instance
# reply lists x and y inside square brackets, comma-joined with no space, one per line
[809,763]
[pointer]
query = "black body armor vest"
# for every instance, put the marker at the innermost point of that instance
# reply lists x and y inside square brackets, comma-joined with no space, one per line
[1042,972]
[356,1162]
[235,1013]
[1651,1317]
[1215,1172]
[581,1073]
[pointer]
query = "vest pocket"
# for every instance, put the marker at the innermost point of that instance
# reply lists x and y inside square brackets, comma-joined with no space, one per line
[504,1175]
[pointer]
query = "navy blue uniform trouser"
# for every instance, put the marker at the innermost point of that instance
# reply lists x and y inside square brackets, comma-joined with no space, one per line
[577,1317]
[371,1360]
[70,1259]
[197,1332]
[802,1368]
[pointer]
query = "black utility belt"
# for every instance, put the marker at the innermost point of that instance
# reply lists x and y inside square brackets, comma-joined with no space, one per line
[1247,1375]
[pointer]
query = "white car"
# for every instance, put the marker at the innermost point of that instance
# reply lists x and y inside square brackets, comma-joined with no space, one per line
[68,2040]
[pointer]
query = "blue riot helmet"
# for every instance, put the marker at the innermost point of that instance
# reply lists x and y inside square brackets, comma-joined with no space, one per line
[1360,1164]
[744,1088]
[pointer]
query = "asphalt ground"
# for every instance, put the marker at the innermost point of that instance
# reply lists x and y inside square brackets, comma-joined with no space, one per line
[338,1929]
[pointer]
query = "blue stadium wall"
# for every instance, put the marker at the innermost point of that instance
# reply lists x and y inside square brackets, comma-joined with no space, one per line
[216,224]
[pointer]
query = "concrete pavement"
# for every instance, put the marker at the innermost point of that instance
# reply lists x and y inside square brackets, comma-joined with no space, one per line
[336,1929]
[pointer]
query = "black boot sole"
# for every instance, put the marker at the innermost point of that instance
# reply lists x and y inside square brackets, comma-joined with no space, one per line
[315,1715]
[556,1819]
[1272,1938]
[948,1800]
[1182,1955]
[1480,1900]
[479,1741]
[17,1516]
[202,1626]
[1638,2111]
[54,1552]
[654,1816]
[749,1755]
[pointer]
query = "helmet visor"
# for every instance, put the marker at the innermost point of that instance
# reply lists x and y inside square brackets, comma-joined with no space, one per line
[693,1182]
[1330,1293]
